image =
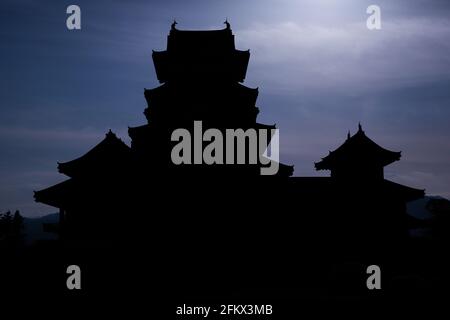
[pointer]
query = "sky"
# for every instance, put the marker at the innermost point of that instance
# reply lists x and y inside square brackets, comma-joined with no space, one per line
[319,70]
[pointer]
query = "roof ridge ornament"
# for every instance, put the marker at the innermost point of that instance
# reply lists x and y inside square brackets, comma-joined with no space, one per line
[348,134]
[360,127]
[227,24]
[110,134]
[174,23]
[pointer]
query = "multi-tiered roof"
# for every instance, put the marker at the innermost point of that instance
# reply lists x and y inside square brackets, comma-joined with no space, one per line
[358,150]
[201,75]
[359,162]
[107,161]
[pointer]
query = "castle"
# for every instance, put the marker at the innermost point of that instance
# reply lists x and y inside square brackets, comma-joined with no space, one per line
[118,194]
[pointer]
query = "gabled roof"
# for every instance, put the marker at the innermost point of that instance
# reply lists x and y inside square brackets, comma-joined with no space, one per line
[325,186]
[402,191]
[59,195]
[358,149]
[265,126]
[234,93]
[201,54]
[109,154]
[139,132]
[188,40]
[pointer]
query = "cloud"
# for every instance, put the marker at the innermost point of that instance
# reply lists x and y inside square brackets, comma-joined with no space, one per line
[348,56]
[49,135]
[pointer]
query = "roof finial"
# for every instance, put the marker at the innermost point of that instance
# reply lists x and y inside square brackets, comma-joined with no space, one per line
[359,126]
[227,23]
[174,23]
[348,134]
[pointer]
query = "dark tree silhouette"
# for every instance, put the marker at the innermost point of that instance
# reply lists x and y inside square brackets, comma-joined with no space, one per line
[11,227]
[5,224]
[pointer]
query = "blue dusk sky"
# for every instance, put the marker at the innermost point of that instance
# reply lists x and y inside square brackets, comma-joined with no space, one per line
[319,70]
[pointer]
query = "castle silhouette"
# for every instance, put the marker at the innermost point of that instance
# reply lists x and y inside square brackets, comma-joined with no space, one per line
[118,195]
